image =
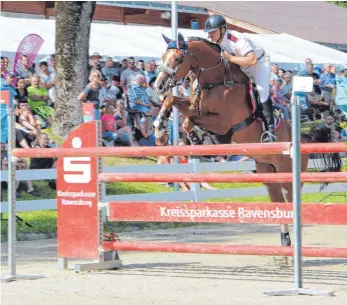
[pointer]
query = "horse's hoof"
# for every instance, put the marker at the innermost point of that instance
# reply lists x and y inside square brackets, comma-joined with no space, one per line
[285,239]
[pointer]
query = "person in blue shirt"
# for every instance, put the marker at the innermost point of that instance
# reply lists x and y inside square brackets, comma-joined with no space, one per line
[328,83]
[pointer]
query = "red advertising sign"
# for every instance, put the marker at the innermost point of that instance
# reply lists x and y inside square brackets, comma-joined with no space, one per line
[78,197]
[5,97]
[224,212]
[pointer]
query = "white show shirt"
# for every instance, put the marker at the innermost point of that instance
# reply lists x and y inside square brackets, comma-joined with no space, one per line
[239,45]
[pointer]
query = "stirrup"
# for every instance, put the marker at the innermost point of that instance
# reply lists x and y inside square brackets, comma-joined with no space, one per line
[194,139]
[267,137]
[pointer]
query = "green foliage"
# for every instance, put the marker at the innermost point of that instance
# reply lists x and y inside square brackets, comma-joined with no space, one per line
[339,3]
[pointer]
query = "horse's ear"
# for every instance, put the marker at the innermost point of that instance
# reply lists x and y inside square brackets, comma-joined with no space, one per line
[167,39]
[180,37]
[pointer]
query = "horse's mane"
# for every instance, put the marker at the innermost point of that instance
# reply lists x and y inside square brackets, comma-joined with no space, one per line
[215,46]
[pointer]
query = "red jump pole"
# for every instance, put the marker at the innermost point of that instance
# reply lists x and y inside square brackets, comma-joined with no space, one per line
[223,249]
[227,149]
[216,177]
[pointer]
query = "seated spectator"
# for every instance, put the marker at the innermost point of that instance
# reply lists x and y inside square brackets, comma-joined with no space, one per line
[20,164]
[43,141]
[25,71]
[38,97]
[317,101]
[279,104]
[91,93]
[115,91]
[28,123]
[103,92]
[144,134]
[121,114]
[272,82]
[22,95]
[95,63]
[110,131]
[7,83]
[138,98]
[48,81]
[184,89]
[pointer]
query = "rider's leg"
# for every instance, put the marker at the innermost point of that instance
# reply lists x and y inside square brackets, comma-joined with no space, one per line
[262,74]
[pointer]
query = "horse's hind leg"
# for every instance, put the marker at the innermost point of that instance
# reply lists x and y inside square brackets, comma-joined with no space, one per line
[276,195]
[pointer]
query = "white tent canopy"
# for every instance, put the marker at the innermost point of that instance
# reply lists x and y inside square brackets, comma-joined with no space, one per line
[146,41]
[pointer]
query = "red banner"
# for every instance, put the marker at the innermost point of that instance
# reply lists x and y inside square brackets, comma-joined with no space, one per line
[224,212]
[29,46]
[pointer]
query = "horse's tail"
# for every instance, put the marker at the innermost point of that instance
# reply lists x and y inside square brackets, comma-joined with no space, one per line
[323,162]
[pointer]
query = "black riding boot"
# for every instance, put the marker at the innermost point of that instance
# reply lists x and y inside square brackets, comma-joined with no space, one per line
[269,135]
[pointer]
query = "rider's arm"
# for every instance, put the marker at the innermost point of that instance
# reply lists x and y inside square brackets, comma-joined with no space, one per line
[244,61]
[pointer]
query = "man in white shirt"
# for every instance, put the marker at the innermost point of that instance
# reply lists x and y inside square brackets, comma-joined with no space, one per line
[252,59]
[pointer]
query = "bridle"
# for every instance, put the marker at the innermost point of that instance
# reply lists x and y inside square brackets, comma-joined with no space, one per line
[173,72]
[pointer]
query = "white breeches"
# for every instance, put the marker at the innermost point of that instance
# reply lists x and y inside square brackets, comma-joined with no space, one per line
[261,74]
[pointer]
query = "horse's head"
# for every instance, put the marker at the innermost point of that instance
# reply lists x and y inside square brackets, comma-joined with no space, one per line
[175,66]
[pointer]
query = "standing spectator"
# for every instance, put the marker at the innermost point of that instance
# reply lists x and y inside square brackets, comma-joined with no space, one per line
[184,89]
[274,73]
[48,81]
[91,93]
[127,79]
[316,80]
[140,64]
[7,62]
[38,98]
[287,86]
[25,71]
[149,73]
[53,63]
[154,67]
[123,67]
[4,71]
[316,69]
[281,73]
[110,131]
[109,70]
[328,83]
[95,62]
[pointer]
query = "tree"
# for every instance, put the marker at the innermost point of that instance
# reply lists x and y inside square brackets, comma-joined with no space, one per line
[73,23]
[339,3]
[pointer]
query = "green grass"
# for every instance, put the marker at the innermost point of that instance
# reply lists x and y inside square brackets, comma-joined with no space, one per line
[45,221]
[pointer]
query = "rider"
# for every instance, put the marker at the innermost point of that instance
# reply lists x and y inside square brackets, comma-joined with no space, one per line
[252,59]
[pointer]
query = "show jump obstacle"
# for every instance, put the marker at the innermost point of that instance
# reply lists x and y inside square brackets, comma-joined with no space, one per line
[80,210]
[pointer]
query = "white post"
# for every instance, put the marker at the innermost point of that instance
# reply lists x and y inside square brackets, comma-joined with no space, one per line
[174,25]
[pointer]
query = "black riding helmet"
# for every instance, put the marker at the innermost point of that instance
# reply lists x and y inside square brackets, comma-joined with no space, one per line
[214,22]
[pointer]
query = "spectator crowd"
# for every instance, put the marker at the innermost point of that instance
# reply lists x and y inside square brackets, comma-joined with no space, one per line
[123,97]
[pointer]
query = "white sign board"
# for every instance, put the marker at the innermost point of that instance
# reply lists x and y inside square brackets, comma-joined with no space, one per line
[302,84]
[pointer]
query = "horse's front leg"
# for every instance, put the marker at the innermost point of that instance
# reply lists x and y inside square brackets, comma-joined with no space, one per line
[161,122]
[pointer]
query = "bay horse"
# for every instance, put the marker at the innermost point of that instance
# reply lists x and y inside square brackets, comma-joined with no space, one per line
[224,107]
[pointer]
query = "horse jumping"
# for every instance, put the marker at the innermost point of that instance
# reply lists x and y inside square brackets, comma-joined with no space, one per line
[225,107]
